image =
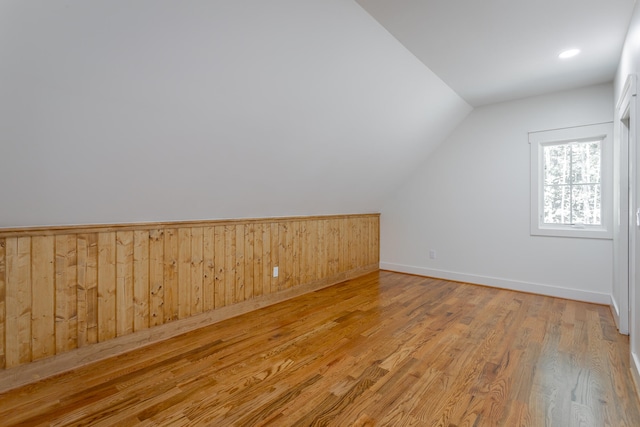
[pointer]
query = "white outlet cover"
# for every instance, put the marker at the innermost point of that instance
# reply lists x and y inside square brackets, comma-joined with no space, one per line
[275,271]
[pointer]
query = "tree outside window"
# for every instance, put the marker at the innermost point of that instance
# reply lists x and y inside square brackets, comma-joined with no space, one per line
[572,183]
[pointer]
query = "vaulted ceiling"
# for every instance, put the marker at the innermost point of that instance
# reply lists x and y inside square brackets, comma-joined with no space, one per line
[163,110]
[495,50]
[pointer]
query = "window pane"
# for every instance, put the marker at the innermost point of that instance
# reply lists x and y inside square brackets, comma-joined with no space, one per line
[557,204]
[585,165]
[586,204]
[557,164]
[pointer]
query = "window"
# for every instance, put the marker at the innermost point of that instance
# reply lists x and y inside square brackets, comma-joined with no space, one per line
[571,181]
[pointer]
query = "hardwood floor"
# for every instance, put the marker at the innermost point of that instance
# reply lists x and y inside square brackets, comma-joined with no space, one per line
[387,350]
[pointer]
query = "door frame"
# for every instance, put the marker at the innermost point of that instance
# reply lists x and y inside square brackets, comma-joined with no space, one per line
[624,270]
[626,115]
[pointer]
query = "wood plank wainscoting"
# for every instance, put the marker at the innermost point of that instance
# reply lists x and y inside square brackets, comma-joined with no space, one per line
[73,295]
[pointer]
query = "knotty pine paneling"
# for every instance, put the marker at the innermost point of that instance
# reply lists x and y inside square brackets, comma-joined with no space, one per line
[141,280]
[3,302]
[64,288]
[43,306]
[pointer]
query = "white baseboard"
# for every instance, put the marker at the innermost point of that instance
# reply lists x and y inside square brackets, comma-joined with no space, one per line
[514,285]
[615,310]
[635,371]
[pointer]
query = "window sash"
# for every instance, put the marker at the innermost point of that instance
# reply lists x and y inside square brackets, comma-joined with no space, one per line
[572,227]
[569,182]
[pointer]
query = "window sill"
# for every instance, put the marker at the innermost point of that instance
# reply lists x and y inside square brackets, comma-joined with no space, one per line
[582,233]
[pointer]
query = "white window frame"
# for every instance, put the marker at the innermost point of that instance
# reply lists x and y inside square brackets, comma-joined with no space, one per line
[537,141]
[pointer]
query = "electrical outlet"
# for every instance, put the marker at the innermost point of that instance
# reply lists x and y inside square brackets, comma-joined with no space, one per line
[432,254]
[275,271]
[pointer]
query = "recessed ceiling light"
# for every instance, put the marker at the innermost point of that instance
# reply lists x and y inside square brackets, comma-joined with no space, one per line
[569,53]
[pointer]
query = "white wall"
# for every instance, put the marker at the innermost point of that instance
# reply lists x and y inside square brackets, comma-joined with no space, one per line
[470,203]
[630,64]
[126,111]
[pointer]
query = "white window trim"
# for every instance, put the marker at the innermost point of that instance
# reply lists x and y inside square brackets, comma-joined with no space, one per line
[537,140]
